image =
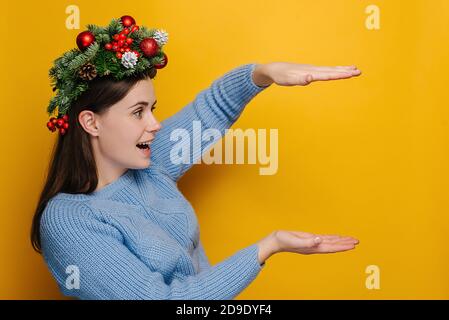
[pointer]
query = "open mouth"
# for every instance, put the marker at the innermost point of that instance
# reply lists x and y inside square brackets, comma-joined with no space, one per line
[144,148]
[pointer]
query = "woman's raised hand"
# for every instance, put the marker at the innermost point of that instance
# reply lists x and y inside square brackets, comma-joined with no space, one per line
[295,74]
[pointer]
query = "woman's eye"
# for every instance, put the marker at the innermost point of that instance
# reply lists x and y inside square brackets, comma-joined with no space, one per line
[138,113]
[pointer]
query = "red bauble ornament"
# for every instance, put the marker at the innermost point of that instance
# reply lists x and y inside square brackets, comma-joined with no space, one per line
[62,131]
[116,37]
[129,40]
[51,124]
[134,28]
[108,46]
[127,21]
[121,43]
[115,48]
[149,47]
[118,55]
[127,49]
[163,63]
[65,125]
[59,123]
[65,118]
[84,39]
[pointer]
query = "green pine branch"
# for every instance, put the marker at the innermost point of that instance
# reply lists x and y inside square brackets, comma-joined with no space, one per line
[142,33]
[115,26]
[83,58]
[96,30]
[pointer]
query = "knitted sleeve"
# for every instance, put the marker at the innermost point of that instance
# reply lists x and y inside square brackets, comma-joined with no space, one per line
[216,107]
[203,260]
[107,269]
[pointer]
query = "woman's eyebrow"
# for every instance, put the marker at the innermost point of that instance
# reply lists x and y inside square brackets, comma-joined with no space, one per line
[145,103]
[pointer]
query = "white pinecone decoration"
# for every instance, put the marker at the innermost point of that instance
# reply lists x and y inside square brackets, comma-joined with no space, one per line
[129,59]
[161,37]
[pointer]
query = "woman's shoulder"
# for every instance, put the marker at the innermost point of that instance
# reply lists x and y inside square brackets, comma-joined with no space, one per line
[64,222]
[60,211]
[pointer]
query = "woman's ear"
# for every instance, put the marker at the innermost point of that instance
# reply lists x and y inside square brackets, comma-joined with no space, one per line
[89,121]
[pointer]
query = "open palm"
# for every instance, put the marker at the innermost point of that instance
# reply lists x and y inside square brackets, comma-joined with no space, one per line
[309,243]
[293,74]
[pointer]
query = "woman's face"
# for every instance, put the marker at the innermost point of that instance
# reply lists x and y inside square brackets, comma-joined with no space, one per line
[123,126]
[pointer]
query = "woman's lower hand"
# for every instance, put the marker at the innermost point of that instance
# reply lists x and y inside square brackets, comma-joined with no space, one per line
[295,74]
[303,243]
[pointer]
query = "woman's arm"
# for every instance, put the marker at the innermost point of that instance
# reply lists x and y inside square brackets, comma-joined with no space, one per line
[261,76]
[109,270]
[203,259]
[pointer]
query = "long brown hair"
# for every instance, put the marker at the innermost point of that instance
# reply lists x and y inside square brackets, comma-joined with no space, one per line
[72,167]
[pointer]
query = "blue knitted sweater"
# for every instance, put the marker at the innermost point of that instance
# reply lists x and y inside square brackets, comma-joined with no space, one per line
[138,237]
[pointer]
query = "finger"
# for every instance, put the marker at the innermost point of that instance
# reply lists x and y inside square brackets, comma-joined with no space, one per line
[335,248]
[341,240]
[341,250]
[347,67]
[350,239]
[340,243]
[344,243]
[309,78]
[347,238]
[330,236]
[329,68]
[337,69]
[336,244]
[325,76]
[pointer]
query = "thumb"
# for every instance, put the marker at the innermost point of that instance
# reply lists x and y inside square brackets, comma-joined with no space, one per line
[312,242]
[309,78]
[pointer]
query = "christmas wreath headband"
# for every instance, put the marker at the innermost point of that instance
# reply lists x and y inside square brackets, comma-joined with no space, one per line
[119,50]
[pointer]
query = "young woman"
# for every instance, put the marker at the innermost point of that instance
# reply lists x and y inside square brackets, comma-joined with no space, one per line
[111,222]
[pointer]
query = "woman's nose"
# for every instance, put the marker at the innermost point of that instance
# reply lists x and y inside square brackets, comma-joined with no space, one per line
[154,125]
[157,126]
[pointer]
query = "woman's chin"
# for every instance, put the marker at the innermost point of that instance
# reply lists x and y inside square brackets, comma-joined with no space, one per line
[142,164]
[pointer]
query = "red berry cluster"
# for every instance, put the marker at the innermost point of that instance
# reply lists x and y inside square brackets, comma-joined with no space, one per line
[62,123]
[122,42]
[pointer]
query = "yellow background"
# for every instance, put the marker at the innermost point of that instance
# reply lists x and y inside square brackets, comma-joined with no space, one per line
[366,157]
